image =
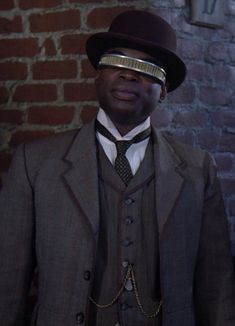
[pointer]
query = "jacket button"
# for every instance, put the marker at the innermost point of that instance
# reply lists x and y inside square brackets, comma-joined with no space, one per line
[126,242]
[87,275]
[128,220]
[129,201]
[80,318]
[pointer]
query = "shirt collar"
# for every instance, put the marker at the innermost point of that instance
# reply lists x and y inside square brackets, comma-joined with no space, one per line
[103,118]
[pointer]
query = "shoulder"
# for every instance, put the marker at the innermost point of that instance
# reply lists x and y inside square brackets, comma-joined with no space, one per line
[189,155]
[54,146]
[46,152]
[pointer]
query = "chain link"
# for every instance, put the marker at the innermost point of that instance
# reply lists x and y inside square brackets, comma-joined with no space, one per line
[158,308]
[129,275]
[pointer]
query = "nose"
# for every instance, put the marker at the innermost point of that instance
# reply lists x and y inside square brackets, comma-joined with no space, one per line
[129,75]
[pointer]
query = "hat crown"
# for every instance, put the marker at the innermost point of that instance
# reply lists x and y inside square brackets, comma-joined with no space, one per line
[143,31]
[145,26]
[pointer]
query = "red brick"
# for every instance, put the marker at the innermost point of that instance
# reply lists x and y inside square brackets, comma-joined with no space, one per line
[227,142]
[79,92]
[183,95]
[54,69]
[6,4]
[87,1]
[223,118]
[30,4]
[5,160]
[208,139]
[23,136]
[74,44]
[18,48]
[88,113]
[49,46]
[87,70]
[35,93]
[213,96]
[51,115]
[190,119]
[11,25]
[56,21]
[11,116]
[3,94]
[13,70]
[102,17]
[161,117]
[224,162]
[228,186]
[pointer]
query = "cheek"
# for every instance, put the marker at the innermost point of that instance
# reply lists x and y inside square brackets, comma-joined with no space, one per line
[154,92]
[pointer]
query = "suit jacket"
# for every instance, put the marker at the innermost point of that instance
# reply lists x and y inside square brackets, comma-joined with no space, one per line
[49,218]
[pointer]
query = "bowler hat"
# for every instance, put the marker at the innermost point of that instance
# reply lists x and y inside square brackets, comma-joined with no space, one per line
[143,31]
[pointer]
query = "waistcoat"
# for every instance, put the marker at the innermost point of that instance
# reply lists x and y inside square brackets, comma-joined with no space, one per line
[128,235]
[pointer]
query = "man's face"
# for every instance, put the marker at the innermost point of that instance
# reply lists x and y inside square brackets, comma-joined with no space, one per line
[127,96]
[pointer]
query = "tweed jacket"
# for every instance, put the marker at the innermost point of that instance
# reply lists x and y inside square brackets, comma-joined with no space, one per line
[49,218]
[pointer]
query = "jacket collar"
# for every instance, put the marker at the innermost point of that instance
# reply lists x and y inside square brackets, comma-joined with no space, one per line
[82,177]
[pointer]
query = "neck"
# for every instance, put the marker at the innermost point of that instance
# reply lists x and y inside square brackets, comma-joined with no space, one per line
[124,129]
[123,124]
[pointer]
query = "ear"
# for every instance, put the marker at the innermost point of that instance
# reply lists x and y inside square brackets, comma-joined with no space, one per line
[163,93]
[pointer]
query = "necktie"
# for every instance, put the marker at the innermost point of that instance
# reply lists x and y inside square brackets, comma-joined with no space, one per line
[121,164]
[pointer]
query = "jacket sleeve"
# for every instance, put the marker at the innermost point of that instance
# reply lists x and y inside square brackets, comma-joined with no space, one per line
[214,275]
[16,242]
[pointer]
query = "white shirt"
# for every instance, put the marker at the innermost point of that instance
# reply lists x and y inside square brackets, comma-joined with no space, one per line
[135,152]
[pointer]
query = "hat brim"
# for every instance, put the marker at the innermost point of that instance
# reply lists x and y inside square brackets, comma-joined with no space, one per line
[175,68]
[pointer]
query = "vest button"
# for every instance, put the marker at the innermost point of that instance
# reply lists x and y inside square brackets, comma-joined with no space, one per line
[128,285]
[80,318]
[129,201]
[87,275]
[126,242]
[125,263]
[128,220]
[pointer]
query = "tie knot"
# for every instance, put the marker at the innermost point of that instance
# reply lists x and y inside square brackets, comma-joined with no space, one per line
[122,146]
[138,138]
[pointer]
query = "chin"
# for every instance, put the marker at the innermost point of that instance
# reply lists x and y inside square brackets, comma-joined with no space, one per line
[127,117]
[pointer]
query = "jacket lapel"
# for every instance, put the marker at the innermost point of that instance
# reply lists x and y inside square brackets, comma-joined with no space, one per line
[169,181]
[82,177]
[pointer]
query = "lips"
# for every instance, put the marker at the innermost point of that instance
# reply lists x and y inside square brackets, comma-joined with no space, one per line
[124,93]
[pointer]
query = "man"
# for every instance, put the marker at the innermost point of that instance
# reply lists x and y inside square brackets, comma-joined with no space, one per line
[122,233]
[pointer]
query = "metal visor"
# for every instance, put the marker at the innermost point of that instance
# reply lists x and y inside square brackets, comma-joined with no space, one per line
[142,66]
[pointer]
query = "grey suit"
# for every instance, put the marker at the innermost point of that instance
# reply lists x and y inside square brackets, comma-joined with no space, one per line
[49,216]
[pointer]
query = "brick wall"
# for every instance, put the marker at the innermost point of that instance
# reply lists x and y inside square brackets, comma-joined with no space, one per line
[46,83]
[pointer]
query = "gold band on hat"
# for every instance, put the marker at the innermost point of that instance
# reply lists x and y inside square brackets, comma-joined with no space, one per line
[142,66]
